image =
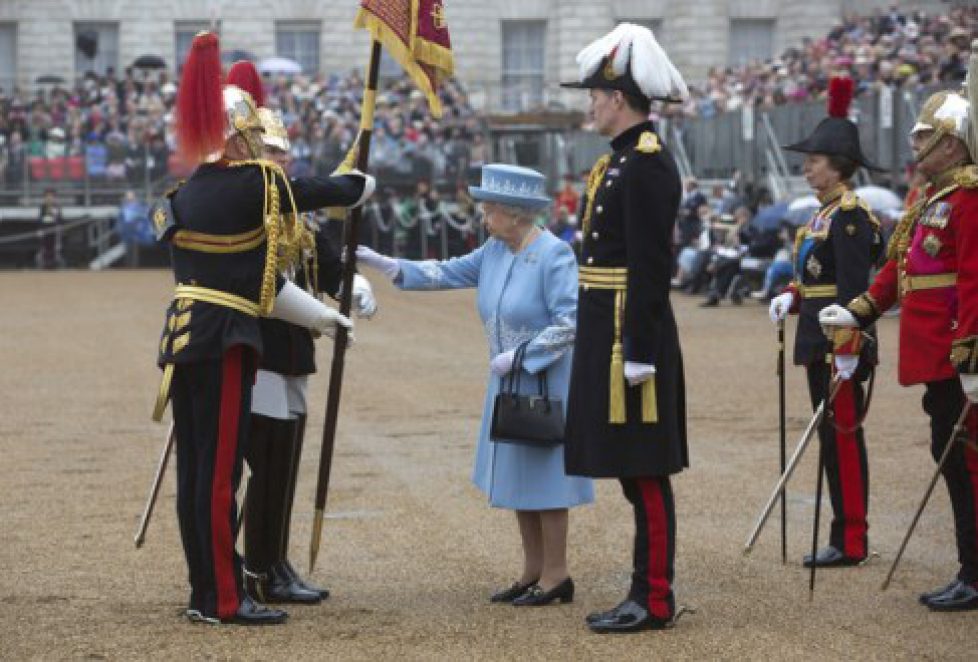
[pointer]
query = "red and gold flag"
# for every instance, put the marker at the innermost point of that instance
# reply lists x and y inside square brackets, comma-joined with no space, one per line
[415,33]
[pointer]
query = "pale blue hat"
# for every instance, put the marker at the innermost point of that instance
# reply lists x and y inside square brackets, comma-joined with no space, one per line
[511,185]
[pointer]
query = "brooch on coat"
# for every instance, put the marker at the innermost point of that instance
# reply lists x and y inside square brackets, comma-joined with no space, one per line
[814,267]
[931,245]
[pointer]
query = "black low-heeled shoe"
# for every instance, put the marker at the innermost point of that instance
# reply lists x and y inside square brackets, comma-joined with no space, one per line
[537,597]
[511,593]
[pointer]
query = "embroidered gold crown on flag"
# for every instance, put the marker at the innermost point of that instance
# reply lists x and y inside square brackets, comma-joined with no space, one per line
[415,33]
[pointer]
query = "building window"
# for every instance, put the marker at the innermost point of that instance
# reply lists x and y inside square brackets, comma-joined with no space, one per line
[751,39]
[299,41]
[96,48]
[183,34]
[522,80]
[8,56]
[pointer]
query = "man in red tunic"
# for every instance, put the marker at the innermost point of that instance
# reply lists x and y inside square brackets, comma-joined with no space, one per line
[932,269]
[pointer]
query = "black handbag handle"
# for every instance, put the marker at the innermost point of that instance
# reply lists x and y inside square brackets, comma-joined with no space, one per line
[514,377]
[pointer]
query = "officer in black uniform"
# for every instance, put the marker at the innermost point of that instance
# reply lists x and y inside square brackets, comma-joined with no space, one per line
[278,417]
[626,415]
[223,225]
[834,254]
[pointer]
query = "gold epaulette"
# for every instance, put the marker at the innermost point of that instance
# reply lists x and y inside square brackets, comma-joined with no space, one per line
[849,201]
[967,177]
[648,143]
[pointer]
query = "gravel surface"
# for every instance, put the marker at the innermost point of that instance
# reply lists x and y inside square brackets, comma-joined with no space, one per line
[411,550]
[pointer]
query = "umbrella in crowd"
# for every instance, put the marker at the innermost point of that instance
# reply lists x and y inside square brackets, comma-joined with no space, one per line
[769,218]
[800,210]
[879,198]
[279,65]
[149,62]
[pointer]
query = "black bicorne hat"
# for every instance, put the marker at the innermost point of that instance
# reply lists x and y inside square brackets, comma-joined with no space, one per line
[836,135]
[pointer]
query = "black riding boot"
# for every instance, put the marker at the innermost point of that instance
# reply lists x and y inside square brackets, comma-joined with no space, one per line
[259,556]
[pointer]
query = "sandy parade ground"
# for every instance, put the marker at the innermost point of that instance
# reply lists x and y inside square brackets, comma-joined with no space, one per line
[411,550]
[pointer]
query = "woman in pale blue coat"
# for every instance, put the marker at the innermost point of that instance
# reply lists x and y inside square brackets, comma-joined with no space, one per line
[527,293]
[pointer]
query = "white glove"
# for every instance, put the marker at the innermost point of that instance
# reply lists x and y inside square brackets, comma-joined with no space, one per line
[636,373]
[970,385]
[836,315]
[385,265]
[363,297]
[502,363]
[846,364]
[369,184]
[296,306]
[780,305]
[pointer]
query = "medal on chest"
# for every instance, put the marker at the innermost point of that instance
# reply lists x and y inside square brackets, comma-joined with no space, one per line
[813,266]
[932,245]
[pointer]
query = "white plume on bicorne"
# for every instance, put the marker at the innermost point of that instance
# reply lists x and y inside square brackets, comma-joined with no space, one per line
[651,68]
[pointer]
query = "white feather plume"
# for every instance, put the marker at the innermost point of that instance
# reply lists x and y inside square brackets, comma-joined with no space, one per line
[651,68]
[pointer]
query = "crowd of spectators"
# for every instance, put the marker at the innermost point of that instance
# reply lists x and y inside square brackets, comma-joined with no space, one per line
[910,51]
[118,128]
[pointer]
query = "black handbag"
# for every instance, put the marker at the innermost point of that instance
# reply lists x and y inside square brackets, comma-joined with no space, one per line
[530,420]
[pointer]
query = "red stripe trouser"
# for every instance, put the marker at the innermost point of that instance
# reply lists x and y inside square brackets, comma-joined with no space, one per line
[211,408]
[846,465]
[655,543]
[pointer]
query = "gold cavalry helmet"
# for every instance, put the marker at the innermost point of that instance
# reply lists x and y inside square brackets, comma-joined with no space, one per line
[276,135]
[945,113]
[242,117]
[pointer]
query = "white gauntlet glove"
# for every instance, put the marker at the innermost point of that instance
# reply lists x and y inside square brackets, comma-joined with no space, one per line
[502,363]
[296,306]
[846,364]
[970,385]
[363,297]
[385,265]
[780,305]
[834,316]
[636,373]
[369,184]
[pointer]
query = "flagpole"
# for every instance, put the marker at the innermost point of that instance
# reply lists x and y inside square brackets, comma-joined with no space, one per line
[346,299]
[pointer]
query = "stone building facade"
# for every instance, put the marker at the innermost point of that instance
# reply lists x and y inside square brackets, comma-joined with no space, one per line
[510,53]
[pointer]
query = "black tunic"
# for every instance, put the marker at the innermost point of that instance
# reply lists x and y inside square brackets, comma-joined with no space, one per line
[222,200]
[634,213]
[838,247]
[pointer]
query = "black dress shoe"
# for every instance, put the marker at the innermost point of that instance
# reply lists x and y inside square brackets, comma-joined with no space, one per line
[830,557]
[537,597]
[629,616]
[959,597]
[249,613]
[323,592]
[924,598]
[511,593]
[283,587]
[710,302]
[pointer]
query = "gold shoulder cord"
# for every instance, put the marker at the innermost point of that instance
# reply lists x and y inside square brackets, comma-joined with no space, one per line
[593,184]
[272,218]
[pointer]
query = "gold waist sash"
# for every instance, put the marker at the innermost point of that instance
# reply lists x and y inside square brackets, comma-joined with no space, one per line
[616,279]
[207,295]
[818,291]
[927,282]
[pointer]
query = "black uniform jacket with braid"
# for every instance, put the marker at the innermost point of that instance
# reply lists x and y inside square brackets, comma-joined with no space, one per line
[633,215]
[836,249]
[222,199]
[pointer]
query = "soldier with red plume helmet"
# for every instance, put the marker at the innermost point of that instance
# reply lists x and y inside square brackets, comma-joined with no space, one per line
[834,254]
[224,226]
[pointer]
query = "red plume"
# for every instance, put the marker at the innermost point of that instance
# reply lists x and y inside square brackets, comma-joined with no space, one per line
[840,96]
[244,75]
[200,119]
